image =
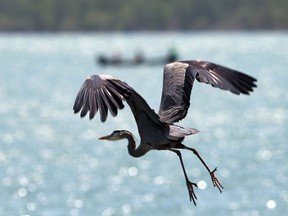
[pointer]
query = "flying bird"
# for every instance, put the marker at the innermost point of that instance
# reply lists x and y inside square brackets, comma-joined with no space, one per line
[157,131]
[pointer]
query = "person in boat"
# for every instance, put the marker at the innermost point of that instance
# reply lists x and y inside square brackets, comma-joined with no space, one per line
[172,55]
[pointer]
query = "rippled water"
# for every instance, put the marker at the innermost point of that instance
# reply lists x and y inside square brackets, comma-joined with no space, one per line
[52,164]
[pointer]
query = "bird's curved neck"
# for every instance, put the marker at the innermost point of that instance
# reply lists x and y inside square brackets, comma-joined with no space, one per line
[133,151]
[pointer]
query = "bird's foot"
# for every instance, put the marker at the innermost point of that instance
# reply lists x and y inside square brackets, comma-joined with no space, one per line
[215,180]
[192,195]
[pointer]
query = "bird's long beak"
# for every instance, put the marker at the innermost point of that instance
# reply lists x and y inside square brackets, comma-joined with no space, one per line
[108,137]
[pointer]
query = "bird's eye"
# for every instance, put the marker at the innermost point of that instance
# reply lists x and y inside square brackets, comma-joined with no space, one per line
[115,133]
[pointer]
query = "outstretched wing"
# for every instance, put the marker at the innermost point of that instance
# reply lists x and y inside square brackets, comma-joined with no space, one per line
[98,94]
[104,92]
[178,82]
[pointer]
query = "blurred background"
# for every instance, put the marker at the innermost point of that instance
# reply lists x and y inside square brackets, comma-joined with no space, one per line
[89,15]
[51,162]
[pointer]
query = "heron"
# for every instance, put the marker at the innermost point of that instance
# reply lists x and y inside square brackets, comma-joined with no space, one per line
[158,131]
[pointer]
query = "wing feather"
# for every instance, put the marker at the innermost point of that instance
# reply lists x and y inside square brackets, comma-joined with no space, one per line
[104,105]
[93,105]
[178,82]
[86,106]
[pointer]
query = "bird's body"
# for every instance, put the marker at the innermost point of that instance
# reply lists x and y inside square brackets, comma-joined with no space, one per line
[158,131]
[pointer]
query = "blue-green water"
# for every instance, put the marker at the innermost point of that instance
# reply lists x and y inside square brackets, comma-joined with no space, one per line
[51,162]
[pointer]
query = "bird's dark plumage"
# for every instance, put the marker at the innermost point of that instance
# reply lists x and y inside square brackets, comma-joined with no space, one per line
[178,82]
[105,93]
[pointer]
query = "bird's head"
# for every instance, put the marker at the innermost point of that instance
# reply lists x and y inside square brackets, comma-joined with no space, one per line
[115,135]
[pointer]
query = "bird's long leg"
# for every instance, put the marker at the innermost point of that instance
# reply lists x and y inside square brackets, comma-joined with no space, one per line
[189,184]
[215,180]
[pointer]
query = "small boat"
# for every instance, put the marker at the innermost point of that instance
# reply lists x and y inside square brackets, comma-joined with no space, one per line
[139,59]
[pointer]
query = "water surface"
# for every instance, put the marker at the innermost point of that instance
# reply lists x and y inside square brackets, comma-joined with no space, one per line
[51,162]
